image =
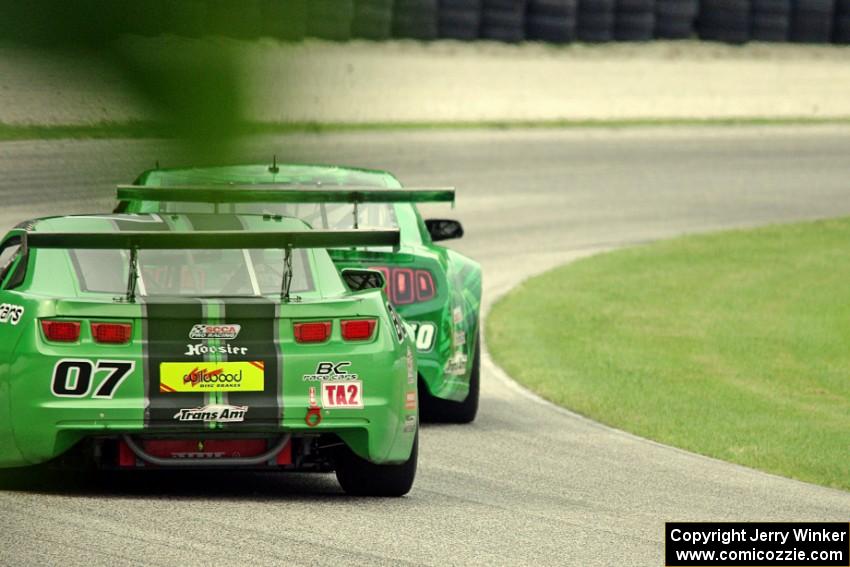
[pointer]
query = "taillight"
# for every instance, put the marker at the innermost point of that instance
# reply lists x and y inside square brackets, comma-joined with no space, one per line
[405,285]
[61,331]
[358,329]
[403,290]
[112,333]
[424,285]
[312,332]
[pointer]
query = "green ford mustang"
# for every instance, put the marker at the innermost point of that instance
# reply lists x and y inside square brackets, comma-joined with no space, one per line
[435,289]
[197,340]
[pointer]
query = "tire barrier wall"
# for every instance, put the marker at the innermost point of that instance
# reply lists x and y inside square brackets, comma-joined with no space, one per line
[554,21]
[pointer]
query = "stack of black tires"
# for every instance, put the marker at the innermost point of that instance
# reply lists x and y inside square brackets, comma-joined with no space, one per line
[552,21]
[842,22]
[459,19]
[635,20]
[674,19]
[503,20]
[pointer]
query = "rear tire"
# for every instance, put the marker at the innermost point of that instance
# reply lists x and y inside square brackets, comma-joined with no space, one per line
[438,410]
[359,477]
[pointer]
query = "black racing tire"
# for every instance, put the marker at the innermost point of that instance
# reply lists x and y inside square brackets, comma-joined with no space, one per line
[566,8]
[812,21]
[462,25]
[461,5]
[725,20]
[595,27]
[674,19]
[503,25]
[438,410]
[634,26]
[597,6]
[842,29]
[415,19]
[635,6]
[771,27]
[771,7]
[359,477]
[553,29]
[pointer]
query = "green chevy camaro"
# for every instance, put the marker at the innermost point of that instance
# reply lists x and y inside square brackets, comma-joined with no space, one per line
[435,289]
[197,340]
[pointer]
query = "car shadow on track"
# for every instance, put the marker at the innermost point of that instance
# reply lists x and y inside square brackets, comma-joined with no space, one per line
[178,485]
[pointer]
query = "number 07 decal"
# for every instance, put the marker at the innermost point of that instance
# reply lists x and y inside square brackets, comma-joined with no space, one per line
[72,377]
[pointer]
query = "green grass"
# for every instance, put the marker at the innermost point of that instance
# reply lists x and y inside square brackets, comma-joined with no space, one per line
[735,345]
[149,129]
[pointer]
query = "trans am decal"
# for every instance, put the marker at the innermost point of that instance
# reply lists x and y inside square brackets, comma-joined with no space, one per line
[219,413]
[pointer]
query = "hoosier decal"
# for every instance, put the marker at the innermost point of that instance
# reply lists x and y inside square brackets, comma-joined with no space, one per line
[218,413]
[201,349]
[211,376]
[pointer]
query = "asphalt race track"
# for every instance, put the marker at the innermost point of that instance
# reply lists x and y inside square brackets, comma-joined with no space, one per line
[527,483]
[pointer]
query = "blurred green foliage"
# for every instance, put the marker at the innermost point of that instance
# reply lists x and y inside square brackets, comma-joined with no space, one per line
[195,85]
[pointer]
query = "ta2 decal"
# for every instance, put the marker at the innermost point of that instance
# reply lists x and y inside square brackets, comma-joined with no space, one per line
[347,395]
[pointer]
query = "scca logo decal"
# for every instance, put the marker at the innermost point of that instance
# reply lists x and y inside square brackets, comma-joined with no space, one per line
[223,331]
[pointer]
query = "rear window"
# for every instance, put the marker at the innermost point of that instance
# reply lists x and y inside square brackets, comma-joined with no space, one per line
[317,215]
[194,273]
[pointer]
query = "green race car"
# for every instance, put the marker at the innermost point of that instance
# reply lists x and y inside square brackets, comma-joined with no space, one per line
[435,289]
[196,340]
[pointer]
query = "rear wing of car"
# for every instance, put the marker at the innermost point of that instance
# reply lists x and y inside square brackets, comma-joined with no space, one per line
[206,240]
[269,193]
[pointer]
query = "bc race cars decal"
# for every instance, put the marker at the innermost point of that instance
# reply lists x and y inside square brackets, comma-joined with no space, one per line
[345,395]
[11,313]
[211,376]
[218,413]
[331,371]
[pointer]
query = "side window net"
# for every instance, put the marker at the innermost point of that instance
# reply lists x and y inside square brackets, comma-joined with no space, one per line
[8,254]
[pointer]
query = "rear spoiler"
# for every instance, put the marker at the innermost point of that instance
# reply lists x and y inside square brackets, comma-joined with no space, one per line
[199,240]
[205,240]
[268,193]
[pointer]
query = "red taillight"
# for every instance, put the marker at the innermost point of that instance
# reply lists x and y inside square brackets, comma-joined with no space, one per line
[312,332]
[424,285]
[112,333]
[358,329]
[61,331]
[405,285]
